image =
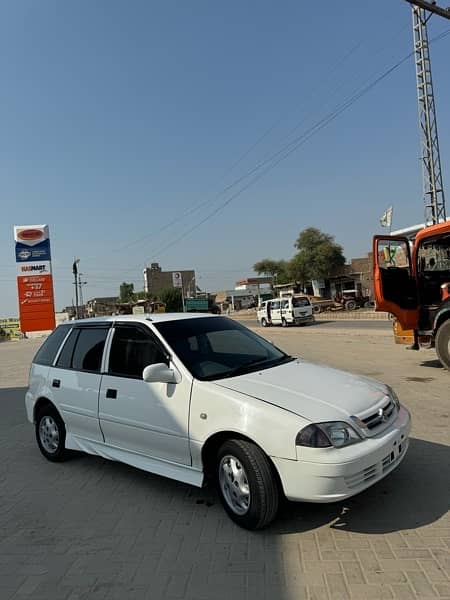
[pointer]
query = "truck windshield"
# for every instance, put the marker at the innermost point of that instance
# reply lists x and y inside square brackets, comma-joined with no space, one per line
[434,255]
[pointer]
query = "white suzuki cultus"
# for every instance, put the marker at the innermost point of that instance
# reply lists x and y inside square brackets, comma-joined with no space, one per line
[200,397]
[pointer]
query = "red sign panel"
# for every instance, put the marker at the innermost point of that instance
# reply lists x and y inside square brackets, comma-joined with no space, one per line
[36,305]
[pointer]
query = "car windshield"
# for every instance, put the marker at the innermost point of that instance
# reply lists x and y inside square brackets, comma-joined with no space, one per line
[218,347]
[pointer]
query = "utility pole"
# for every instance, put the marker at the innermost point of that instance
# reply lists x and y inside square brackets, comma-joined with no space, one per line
[80,284]
[433,188]
[75,282]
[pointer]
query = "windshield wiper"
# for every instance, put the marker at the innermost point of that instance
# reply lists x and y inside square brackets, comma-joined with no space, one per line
[265,362]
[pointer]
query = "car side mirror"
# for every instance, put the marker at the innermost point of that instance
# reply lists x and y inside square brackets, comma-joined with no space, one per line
[160,373]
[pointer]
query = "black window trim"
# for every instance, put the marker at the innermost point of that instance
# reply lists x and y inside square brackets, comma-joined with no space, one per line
[144,329]
[99,325]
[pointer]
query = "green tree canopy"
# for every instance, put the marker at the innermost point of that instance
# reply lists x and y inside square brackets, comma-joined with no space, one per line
[318,256]
[127,292]
[278,269]
[172,299]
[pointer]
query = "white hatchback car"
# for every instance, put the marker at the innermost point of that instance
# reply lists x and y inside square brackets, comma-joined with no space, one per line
[197,397]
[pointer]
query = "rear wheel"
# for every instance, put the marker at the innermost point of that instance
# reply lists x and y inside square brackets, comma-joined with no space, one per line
[443,344]
[350,305]
[317,309]
[263,322]
[246,484]
[51,434]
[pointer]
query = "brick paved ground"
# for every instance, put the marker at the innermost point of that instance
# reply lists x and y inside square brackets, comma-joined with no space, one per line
[92,529]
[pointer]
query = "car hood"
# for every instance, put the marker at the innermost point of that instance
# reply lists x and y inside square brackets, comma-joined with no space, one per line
[315,392]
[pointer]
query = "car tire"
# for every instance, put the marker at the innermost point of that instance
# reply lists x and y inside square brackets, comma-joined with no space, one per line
[442,344]
[284,323]
[263,322]
[316,309]
[350,305]
[246,484]
[51,434]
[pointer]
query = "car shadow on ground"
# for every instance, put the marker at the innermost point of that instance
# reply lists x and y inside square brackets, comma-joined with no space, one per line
[435,364]
[414,495]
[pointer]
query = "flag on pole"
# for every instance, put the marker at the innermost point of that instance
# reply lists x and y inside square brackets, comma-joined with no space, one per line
[386,219]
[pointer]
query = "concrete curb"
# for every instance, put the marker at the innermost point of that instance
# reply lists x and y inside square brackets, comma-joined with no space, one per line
[329,315]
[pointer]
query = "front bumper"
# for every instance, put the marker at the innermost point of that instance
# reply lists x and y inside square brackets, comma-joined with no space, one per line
[329,475]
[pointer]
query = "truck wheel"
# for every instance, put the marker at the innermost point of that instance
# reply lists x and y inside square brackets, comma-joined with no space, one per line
[247,484]
[316,309]
[350,305]
[443,344]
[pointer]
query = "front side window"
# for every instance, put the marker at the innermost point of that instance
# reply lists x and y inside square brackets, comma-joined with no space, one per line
[47,352]
[88,351]
[217,347]
[276,305]
[393,254]
[133,349]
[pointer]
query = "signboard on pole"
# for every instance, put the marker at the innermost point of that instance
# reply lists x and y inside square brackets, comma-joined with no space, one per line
[177,280]
[34,278]
[196,304]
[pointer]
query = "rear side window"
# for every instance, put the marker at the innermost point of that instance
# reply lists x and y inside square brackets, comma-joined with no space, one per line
[65,358]
[47,352]
[88,351]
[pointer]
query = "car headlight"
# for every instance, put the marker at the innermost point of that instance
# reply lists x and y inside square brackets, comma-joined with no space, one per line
[394,397]
[325,435]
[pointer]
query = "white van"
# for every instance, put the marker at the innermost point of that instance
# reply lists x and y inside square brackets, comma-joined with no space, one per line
[295,310]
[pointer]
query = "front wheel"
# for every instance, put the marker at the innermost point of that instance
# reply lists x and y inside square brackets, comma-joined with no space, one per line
[51,434]
[246,484]
[443,344]
[350,305]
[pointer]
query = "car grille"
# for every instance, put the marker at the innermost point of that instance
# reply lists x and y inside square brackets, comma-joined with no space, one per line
[382,416]
[378,469]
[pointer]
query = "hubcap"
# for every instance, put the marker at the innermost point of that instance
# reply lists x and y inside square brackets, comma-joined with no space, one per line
[234,484]
[49,434]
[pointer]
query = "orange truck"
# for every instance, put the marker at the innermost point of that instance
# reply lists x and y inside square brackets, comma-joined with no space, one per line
[412,282]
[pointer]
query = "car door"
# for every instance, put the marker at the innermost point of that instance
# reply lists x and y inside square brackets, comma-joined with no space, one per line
[275,312]
[75,380]
[394,283]
[149,418]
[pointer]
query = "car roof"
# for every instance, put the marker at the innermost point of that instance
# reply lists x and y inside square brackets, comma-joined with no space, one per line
[145,318]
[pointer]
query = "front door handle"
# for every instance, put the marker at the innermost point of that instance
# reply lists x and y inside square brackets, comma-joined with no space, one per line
[110,393]
[56,383]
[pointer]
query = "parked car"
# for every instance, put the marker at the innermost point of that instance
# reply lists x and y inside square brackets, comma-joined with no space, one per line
[292,310]
[202,398]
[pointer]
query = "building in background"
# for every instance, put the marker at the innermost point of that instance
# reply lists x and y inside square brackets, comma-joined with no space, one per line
[155,280]
[256,286]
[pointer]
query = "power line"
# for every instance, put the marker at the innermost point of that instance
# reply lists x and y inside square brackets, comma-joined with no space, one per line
[291,147]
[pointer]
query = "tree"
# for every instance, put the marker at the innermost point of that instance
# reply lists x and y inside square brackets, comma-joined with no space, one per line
[277,269]
[318,256]
[127,292]
[172,299]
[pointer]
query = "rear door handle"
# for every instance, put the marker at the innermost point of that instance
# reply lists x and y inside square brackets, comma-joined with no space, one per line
[111,393]
[56,383]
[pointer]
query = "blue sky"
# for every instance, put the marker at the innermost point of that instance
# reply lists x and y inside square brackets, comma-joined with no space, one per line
[116,118]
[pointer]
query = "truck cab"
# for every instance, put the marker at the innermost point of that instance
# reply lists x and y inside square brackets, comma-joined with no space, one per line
[412,282]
